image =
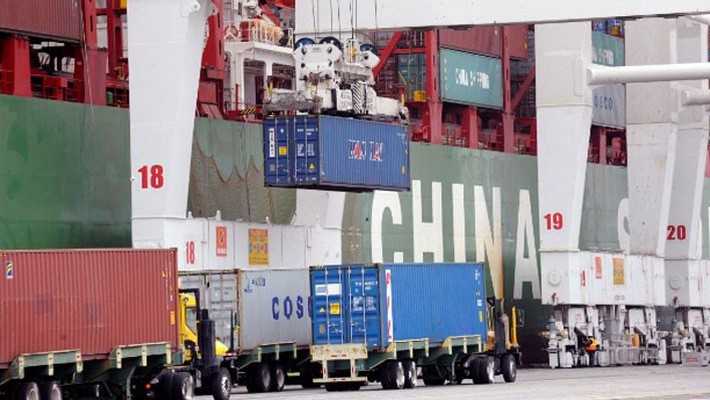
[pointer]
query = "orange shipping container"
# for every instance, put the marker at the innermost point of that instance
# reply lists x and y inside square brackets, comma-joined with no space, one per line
[90,300]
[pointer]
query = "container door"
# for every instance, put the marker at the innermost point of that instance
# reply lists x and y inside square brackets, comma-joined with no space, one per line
[307,150]
[328,292]
[363,306]
[277,133]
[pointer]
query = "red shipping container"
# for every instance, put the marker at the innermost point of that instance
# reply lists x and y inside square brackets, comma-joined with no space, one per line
[486,40]
[56,19]
[90,300]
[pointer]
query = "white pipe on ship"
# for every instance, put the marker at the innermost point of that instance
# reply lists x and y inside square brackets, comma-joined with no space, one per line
[703,19]
[695,98]
[601,75]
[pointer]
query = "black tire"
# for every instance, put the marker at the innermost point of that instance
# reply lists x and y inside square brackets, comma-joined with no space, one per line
[473,370]
[509,368]
[306,377]
[50,391]
[221,385]
[278,378]
[259,379]
[410,374]
[183,386]
[165,384]
[486,370]
[26,391]
[434,381]
[392,375]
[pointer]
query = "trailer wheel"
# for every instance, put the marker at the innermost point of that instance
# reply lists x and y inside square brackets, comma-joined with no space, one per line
[26,391]
[486,370]
[165,384]
[392,375]
[410,374]
[306,374]
[221,385]
[278,378]
[183,386]
[50,391]
[259,379]
[483,370]
[509,368]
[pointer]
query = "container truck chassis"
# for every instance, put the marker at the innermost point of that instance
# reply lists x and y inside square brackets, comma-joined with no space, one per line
[127,372]
[350,366]
[268,367]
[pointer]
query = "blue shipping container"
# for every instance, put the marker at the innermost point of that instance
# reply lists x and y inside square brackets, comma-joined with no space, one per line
[325,152]
[377,304]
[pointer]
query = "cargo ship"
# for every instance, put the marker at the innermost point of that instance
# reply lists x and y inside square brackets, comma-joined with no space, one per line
[66,171]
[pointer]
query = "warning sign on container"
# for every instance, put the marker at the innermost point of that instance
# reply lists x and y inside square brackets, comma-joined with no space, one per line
[9,270]
[221,241]
[618,271]
[258,247]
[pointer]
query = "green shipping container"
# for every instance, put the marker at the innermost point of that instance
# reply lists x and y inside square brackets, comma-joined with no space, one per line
[470,79]
[607,50]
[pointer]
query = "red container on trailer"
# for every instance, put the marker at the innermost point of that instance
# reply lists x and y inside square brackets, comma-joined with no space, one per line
[56,19]
[90,300]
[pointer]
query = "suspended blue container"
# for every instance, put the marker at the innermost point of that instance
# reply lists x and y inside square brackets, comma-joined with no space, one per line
[333,153]
[378,304]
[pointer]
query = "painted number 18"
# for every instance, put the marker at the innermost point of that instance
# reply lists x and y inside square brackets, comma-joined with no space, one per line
[152,177]
[190,252]
[554,221]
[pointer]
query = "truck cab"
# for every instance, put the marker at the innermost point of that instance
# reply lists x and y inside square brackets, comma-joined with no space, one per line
[189,312]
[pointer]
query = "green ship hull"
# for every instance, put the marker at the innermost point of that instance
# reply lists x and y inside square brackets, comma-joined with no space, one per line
[64,182]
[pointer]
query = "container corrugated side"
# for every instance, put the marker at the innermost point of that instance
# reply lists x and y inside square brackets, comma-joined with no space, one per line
[361,153]
[486,40]
[218,295]
[255,306]
[57,19]
[335,153]
[273,307]
[435,301]
[91,300]
[379,304]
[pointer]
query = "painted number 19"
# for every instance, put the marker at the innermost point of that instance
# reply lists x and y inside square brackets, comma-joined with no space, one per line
[152,177]
[676,232]
[554,221]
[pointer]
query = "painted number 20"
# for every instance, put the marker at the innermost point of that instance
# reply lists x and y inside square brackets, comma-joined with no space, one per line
[554,221]
[676,232]
[152,177]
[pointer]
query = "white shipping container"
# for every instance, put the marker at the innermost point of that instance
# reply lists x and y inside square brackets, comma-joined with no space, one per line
[255,306]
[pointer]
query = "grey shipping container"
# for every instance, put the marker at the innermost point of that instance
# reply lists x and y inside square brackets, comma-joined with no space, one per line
[255,306]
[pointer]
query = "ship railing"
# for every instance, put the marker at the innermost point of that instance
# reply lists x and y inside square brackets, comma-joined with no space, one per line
[255,30]
[56,87]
